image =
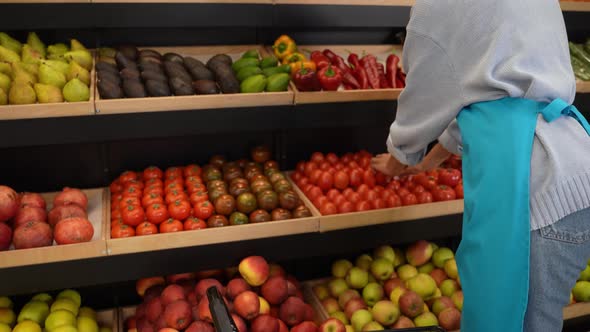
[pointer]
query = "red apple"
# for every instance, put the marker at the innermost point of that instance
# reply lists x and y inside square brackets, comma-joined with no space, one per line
[32,200]
[403,322]
[265,323]
[332,325]
[274,311]
[276,271]
[441,304]
[144,325]
[439,276]
[178,314]
[294,281]
[5,237]
[200,326]
[171,294]
[204,311]
[29,213]
[247,305]
[254,270]
[152,292]
[392,284]
[282,326]
[353,306]
[240,324]
[236,286]
[450,319]
[419,253]
[411,304]
[154,309]
[8,203]
[161,323]
[205,284]
[292,311]
[143,284]
[306,326]
[33,234]
[309,313]
[275,290]
[140,310]
[131,323]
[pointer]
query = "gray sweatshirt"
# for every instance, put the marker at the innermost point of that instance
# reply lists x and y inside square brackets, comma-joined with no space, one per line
[459,52]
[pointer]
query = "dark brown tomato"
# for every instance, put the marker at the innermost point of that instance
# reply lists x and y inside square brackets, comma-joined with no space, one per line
[271,164]
[217,221]
[238,218]
[260,216]
[239,188]
[282,186]
[275,177]
[301,212]
[217,161]
[239,180]
[268,200]
[225,205]
[242,163]
[229,165]
[249,172]
[260,154]
[246,203]
[258,177]
[289,200]
[232,173]
[260,185]
[216,193]
[281,214]
[215,184]
[270,171]
[212,174]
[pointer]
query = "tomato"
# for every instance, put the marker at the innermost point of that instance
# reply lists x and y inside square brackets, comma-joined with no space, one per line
[394,185]
[380,178]
[338,200]
[346,158]
[297,176]
[289,200]
[315,176]
[307,188]
[362,190]
[116,187]
[339,167]
[341,180]
[175,195]
[156,213]
[260,154]
[280,214]
[154,182]
[211,174]
[332,193]
[171,225]
[369,178]
[325,166]
[203,210]
[246,202]
[319,201]
[354,198]
[363,206]
[268,200]
[146,228]
[328,208]
[173,172]
[347,192]
[345,207]
[386,194]
[401,192]
[443,193]
[258,176]
[132,192]
[260,216]
[193,223]
[180,209]
[115,199]
[173,179]
[152,172]
[154,190]
[133,215]
[300,167]
[365,162]
[211,185]
[238,218]
[217,221]
[117,222]
[356,178]
[282,186]
[393,201]
[317,157]
[332,158]
[197,197]
[191,170]
[449,177]
[195,188]
[134,183]
[232,173]
[225,205]
[354,165]
[418,189]
[173,186]
[127,176]
[122,231]
[314,193]
[454,162]
[459,189]
[434,173]
[129,201]
[309,168]
[371,196]
[424,197]
[409,199]
[426,181]
[239,188]
[271,164]
[379,203]
[115,214]
[260,185]
[303,182]
[379,189]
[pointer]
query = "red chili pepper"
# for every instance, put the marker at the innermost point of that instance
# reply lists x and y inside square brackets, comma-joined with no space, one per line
[400,80]
[369,64]
[320,59]
[330,78]
[348,87]
[345,71]
[391,75]
[306,80]
[383,84]
[361,76]
[353,59]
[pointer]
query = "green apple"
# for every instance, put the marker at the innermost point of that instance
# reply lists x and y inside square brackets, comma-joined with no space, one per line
[372,326]
[65,303]
[330,305]
[581,291]
[27,326]
[371,278]
[43,297]
[340,268]
[35,311]
[450,268]
[434,246]
[341,316]
[321,291]
[400,258]
[441,255]
[396,293]
[5,328]
[72,295]
[372,293]
[59,318]
[348,295]
[441,304]
[357,278]
[7,316]
[65,328]
[437,293]
[426,268]
[406,272]
[426,319]
[105,329]
[422,284]
[5,302]
[448,287]
[364,262]
[386,252]
[337,286]
[382,268]
[349,328]
[361,318]
[457,299]
[87,312]
[585,275]
[385,312]
[86,324]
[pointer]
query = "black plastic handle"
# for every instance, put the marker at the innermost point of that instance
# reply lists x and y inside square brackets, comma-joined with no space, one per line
[221,317]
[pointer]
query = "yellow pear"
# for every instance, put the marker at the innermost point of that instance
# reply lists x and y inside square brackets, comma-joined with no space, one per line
[87,312]
[3,97]
[8,55]
[36,43]
[7,316]
[72,295]
[21,75]
[5,328]
[76,71]
[75,90]
[30,55]
[62,66]
[43,297]
[66,304]
[32,68]
[35,311]
[59,318]
[57,49]
[27,326]
[86,324]
[49,75]
[64,328]
[5,82]
[83,57]
[48,93]
[59,57]
[75,45]
[6,302]
[10,43]
[6,68]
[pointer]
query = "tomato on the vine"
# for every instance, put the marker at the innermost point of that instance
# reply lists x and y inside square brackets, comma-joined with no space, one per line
[309,168]
[122,231]
[356,178]
[354,198]
[332,158]
[424,197]
[152,172]
[409,199]
[315,175]
[171,225]
[347,192]
[443,193]
[378,204]
[320,200]
[132,215]
[179,209]
[338,200]
[203,210]
[369,178]
[193,223]
[146,228]
[332,193]
[401,192]
[314,193]
[341,180]
[156,213]
[317,157]
[326,181]
[449,177]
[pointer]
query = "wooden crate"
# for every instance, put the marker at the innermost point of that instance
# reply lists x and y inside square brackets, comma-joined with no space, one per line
[60,253]
[342,96]
[51,110]
[108,318]
[575,6]
[402,3]
[268,2]
[196,102]
[123,314]
[583,86]
[211,235]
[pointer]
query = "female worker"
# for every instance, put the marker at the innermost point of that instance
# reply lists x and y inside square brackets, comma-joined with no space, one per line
[493,80]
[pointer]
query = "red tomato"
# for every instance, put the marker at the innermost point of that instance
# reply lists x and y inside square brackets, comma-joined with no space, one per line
[459,190]
[332,193]
[179,209]
[394,185]
[175,195]
[326,181]
[331,170]
[386,194]
[338,200]
[156,213]
[356,178]
[418,189]
[449,177]
[354,198]
[129,201]
[381,178]
[320,200]
[369,178]
[379,204]
[133,215]
[195,188]
[309,168]
[152,172]
[347,192]
[191,170]
[135,184]
[117,222]
[443,193]
[401,192]
[363,206]
[171,225]
[433,173]
[173,186]
[317,157]
[307,187]
[455,162]
[315,176]
[303,182]
[393,201]
[132,192]
[371,196]
[354,165]
[203,210]
[346,158]
[409,199]
[314,193]
[296,176]
[127,176]
[424,197]
[339,167]
[426,181]
[173,179]
[362,190]
[379,189]
[173,171]
[197,197]
[328,208]
[115,214]
[193,223]
[193,180]
[116,187]
[115,199]
[345,207]
[154,190]
[341,180]
[365,162]
[122,231]
[324,165]
[154,182]
[300,167]
[332,158]
[146,228]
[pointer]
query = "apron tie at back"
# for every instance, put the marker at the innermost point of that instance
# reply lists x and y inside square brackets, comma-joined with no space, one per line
[559,107]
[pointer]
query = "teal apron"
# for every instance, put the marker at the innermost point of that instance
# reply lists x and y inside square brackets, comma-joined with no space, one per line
[493,257]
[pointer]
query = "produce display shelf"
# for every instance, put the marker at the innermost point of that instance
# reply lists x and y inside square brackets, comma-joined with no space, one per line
[196,102]
[341,96]
[51,110]
[575,6]
[188,1]
[43,1]
[108,318]
[59,253]
[402,3]
[583,86]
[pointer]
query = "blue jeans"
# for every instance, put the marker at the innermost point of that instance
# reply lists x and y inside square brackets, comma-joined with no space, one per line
[559,253]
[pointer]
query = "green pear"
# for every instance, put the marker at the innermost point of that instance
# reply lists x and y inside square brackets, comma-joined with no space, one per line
[48,93]
[20,94]
[75,45]
[60,318]
[35,311]
[5,82]
[581,291]
[107,52]
[57,49]
[6,68]
[31,55]
[3,97]
[36,43]
[76,71]
[21,75]
[49,75]
[61,66]
[5,328]
[59,57]
[86,324]
[32,68]
[76,90]
[72,295]
[10,43]
[43,297]
[584,276]
[83,57]
[8,55]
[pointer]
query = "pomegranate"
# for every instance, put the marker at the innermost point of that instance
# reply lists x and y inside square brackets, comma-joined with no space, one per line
[8,203]
[33,234]
[29,213]
[5,237]
[73,230]
[61,212]
[32,200]
[71,196]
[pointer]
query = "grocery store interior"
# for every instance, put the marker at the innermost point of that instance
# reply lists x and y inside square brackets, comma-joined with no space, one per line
[153,149]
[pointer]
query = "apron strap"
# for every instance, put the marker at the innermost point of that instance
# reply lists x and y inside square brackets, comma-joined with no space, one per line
[559,107]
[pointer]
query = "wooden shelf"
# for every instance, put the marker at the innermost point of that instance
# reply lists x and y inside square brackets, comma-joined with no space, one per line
[43,1]
[575,6]
[267,2]
[583,86]
[61,253]
[403,3]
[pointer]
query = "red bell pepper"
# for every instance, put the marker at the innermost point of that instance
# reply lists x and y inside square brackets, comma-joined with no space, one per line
[306,80]
[320,59]
[391,75]
[330,78]
[369,64]
[383,84]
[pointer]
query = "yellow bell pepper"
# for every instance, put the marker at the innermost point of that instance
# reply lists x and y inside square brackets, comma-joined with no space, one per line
[295,66]
[294,57]
[284,46]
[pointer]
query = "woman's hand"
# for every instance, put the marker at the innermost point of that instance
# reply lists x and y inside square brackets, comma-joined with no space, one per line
[387,164]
